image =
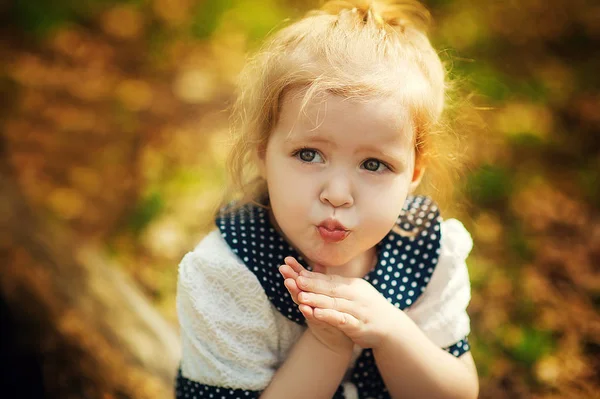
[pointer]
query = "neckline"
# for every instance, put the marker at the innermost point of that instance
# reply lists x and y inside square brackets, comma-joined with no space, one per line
[398,276]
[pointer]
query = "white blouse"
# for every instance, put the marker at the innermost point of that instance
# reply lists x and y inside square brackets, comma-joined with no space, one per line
[233,336]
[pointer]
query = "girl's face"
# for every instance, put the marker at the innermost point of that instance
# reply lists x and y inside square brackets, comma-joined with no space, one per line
[338,175]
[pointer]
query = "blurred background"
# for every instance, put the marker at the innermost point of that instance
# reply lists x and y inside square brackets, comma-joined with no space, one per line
[113,124]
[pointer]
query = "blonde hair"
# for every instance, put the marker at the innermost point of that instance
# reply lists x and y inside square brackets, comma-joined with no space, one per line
[355,49]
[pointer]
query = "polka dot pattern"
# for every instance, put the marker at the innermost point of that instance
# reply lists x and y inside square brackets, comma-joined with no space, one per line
[188,389]
[459,348]
[407,257]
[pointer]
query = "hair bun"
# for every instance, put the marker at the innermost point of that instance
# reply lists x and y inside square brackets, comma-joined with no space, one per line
[399,14]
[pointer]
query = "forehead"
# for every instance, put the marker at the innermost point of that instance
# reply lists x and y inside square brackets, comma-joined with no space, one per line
[375,119]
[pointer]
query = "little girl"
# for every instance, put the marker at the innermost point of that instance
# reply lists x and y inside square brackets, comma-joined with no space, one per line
[328,278]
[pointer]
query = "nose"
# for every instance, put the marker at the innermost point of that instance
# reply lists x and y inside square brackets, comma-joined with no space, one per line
[337,191]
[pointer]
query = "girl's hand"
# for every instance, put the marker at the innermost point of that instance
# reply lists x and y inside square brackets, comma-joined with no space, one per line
[328,335]
[351,305]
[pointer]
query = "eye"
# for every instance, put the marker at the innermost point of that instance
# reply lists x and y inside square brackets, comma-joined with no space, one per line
[374,165]
[308,155]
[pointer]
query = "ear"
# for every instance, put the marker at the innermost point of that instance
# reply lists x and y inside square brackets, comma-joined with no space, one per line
[418,173]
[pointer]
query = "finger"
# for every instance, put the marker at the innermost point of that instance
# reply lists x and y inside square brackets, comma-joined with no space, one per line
[344,321]
[292,288]
[326,277]
[307,312]
[294,264]
[326,302]
[330,288]
[287,272]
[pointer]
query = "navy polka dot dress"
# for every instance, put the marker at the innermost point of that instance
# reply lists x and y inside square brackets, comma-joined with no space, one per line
[407,257]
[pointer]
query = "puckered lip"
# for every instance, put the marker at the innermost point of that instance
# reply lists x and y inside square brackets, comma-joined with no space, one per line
[332,225]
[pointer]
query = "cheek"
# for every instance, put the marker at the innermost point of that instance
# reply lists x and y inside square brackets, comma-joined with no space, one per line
[381,207]
[289,190]
[380,220]
[283,176]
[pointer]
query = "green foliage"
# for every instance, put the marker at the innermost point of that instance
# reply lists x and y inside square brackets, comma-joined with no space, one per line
[533,345]
[207,15]
[498,86]
[149,207]
[489,185]
[486,80]
[519,243]
[530,88]
[589,182]
[526,141]
[258,19]
[40,16]
[478,271]
[484,355]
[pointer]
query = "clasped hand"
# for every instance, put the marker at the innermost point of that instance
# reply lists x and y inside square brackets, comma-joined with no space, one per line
[350,305]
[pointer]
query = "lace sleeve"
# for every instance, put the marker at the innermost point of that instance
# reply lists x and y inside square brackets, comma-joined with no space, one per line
[228,328]
[441,311]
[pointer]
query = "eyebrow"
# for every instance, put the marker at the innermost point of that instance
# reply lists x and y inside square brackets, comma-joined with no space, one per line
[313,139]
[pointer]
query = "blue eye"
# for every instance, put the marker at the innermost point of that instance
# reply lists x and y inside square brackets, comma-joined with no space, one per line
[308,155]
[374,165]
